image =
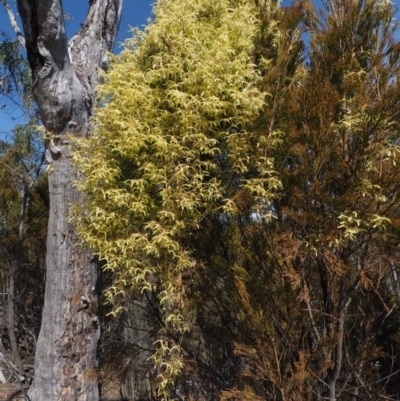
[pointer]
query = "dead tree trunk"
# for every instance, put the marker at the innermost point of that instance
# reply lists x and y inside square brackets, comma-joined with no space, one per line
[64,75]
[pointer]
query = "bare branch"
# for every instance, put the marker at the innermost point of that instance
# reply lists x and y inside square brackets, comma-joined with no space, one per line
[89,47]
[309,308]
[46,44]
[97,36]
[45,36]
[14,23]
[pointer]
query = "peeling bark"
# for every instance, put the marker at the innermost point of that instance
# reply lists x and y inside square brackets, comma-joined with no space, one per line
[64,75]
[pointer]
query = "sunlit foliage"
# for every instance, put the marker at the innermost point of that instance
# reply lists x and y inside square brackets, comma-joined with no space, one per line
[173,143]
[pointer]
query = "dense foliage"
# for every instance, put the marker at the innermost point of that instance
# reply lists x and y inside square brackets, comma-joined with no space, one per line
[173,145]
[249,191]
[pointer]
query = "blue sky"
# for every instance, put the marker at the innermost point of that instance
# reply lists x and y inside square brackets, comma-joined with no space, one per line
[135,13]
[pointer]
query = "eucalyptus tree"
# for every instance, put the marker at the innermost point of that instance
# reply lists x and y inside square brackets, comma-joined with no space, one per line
[64,74]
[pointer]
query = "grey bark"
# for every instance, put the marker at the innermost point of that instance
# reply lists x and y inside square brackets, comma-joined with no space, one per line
[64,75]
